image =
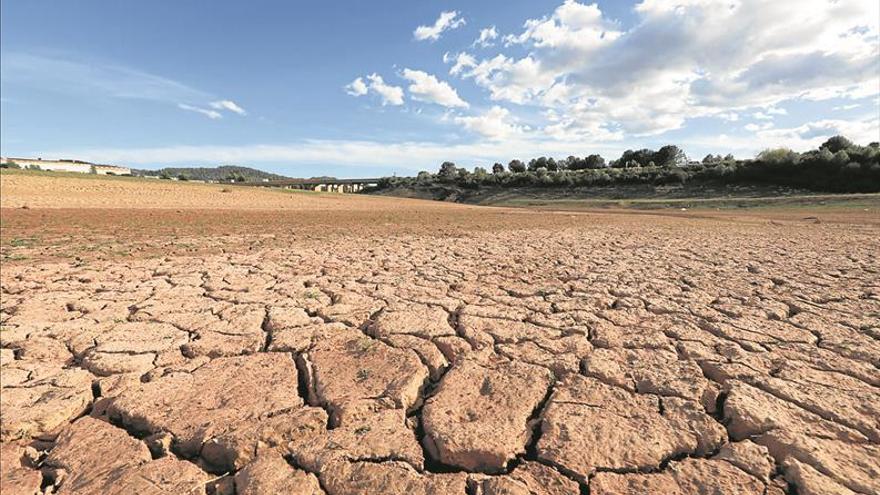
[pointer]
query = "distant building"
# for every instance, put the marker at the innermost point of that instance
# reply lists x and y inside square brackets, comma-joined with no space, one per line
[67,166]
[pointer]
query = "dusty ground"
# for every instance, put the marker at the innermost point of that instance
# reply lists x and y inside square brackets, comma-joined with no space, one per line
[173,338]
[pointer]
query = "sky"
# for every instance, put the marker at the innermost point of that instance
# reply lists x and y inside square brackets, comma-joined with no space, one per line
[357,89]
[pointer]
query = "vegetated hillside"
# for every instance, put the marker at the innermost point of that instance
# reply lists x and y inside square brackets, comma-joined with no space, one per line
[221,173]
[838,166]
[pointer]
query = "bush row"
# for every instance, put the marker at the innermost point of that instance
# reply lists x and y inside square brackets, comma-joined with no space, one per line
[836,166]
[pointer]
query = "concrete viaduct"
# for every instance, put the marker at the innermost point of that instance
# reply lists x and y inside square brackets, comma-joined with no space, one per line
[327,185]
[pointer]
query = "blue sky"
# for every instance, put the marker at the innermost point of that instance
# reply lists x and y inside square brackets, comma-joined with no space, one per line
[366,88]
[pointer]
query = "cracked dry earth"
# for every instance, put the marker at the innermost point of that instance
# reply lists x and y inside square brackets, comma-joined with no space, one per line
[652,355]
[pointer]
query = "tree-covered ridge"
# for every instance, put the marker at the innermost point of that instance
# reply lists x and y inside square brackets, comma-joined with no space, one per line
[836,166]
[231,173]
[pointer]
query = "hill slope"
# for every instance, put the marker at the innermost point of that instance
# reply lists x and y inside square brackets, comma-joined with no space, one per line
[212,173]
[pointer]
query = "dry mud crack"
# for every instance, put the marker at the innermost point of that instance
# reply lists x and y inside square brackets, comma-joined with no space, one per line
[639,355]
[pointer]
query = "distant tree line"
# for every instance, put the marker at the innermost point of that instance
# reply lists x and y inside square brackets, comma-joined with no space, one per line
[223,173]
[838,165]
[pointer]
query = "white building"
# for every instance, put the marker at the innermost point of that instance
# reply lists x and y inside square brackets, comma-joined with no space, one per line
[67,166]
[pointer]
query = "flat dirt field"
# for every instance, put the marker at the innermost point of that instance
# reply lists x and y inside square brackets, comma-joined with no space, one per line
[163,337]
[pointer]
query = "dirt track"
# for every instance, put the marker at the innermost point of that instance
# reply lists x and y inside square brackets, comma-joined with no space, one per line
[174,338]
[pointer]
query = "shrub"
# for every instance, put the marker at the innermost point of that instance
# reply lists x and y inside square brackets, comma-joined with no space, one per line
[777,155]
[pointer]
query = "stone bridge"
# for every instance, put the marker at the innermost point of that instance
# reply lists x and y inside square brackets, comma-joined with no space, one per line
[327,185]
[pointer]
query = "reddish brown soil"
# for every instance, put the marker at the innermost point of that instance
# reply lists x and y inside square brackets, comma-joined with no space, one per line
[157,339]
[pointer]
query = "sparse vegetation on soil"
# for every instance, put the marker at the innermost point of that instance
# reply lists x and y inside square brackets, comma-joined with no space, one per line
[175,338]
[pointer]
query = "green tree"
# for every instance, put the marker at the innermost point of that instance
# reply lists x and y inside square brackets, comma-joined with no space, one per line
[516,166]
[594,162]
[670,156]
[634,158]
[837,143]
[448,169]
[575,163]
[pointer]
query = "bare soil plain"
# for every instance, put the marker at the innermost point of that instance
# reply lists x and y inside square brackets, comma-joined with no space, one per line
[165,337]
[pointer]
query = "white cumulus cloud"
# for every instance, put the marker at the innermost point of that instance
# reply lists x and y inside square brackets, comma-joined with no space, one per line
[462,60]
[577,75]
[447,21]
[486,36]
[753,127]
[390,95]
[813,134]
[426,87]
[496,123]
[684,59]
[357,87]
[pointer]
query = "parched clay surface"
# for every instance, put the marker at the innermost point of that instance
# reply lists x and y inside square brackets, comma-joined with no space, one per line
[597,353]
